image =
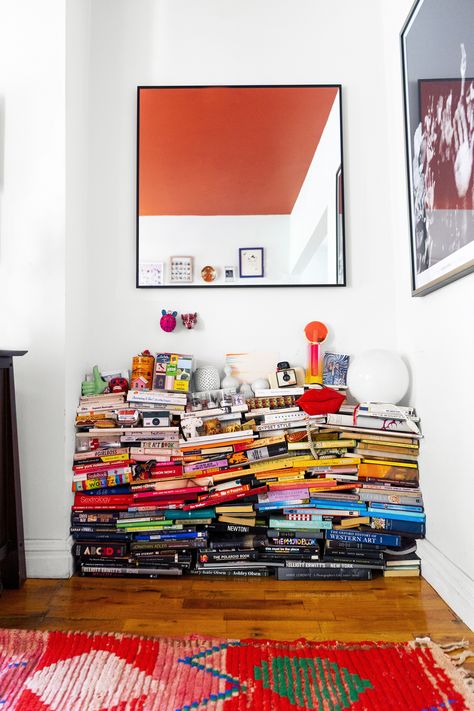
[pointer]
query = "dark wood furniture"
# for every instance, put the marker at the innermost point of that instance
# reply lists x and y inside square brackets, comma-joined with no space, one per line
[12,550]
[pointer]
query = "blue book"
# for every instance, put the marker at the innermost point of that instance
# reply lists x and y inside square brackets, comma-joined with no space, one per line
[396,515]
[380,539]
[415,528]
[108,491]
[178,535]
[346,505]
[396,507]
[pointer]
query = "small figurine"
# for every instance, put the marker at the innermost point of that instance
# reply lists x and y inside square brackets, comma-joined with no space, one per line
[189,426]
[96,386]
[168,320]
[189,320]
[118,385]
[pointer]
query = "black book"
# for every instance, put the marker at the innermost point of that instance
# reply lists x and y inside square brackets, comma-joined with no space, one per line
[344,545]
[362,562]
[94,549]
[219,529]
[103,537]
[323,574]
[353,553]
[245,541]
[236,572]
[295,533]
[211,556]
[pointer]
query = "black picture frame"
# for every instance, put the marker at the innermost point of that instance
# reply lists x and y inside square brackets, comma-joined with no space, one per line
[341,237]
[442,36]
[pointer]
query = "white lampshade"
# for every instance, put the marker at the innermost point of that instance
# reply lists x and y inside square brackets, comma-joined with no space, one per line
[378,376]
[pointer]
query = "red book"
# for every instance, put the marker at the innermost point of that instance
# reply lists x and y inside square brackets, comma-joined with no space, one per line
[188,492]
[227,495]
[88,501]
[101,507]
[101,466]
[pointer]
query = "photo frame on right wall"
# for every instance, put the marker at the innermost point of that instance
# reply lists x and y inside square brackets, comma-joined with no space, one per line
[438,78]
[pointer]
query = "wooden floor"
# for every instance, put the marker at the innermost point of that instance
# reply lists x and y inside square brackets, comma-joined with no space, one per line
[382,609]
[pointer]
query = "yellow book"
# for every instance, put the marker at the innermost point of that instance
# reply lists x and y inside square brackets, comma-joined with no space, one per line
[337,462]
[354,522]
[386,443]
[391,463]
[237,521]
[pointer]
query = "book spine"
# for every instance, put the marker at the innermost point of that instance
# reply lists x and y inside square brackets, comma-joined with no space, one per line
[323,574]
[232,573]
[106,551]
[404,527]
[363,537]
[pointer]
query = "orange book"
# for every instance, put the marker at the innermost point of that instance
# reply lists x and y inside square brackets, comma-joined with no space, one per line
[387,471]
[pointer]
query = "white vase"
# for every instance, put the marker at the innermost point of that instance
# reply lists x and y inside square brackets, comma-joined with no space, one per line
[206,378]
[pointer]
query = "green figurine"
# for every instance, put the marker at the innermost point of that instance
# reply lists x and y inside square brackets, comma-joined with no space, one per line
[96,386]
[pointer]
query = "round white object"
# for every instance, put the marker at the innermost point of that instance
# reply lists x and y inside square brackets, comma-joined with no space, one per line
[206,378]
[229,381]
[260,384]
[246,390]
[378,376]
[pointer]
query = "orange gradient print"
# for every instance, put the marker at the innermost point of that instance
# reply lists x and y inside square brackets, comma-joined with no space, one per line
[227,150]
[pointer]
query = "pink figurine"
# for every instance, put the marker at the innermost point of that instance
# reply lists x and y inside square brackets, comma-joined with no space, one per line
[168,320]
[189,320]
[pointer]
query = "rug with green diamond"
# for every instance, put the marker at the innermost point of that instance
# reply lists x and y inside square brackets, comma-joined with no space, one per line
[79,671]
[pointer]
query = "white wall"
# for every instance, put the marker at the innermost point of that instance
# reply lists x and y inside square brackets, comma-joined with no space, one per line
[32,278]
[235,42]
[435,335]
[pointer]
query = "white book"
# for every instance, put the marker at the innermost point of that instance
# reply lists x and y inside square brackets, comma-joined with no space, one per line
[224,436]
[157,396]
[278,392]
[381,424]
[285,416]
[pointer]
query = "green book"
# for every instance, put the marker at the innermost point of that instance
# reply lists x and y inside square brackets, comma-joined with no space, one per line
[283,523]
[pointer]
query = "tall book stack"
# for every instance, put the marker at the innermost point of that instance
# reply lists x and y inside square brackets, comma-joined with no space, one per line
[246,490]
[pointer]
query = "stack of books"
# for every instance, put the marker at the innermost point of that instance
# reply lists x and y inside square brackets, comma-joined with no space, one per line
[244,489]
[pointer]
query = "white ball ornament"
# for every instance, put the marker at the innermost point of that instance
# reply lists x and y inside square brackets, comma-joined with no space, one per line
[260,384]
[378,376]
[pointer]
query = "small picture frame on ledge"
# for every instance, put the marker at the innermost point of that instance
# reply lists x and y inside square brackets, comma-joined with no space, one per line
[230,274]
[251,263]
[181,270]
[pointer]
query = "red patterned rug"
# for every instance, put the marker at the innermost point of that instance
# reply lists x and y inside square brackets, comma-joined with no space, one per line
[78,671]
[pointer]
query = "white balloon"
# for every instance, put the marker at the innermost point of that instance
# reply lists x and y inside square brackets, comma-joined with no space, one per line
[378,376]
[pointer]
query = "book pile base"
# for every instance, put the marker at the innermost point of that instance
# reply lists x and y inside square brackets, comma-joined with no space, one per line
[244,488]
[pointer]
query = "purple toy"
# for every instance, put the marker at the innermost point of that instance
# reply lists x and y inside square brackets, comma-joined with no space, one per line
[168,320]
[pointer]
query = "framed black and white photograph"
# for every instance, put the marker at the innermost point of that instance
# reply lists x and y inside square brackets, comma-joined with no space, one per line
[230,274]
[251,262]
[438,71]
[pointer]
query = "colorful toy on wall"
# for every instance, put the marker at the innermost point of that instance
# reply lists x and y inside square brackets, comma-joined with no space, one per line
[168,320]
[189,320]
[316,333]
[96,386]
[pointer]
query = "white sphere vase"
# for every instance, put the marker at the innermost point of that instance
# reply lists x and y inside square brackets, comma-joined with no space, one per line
[378,376]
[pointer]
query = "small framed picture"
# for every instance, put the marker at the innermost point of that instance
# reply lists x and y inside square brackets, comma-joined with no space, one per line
[230,273]
[251,262]
[181,270]
[151,273]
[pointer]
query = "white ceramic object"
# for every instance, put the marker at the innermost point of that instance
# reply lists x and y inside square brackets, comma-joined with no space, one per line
[378,376]
[206,378]
[229,381]
[246,390]
[260,384]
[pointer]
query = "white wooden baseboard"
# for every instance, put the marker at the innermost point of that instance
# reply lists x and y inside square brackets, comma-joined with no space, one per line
[48,558]
[450,582]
